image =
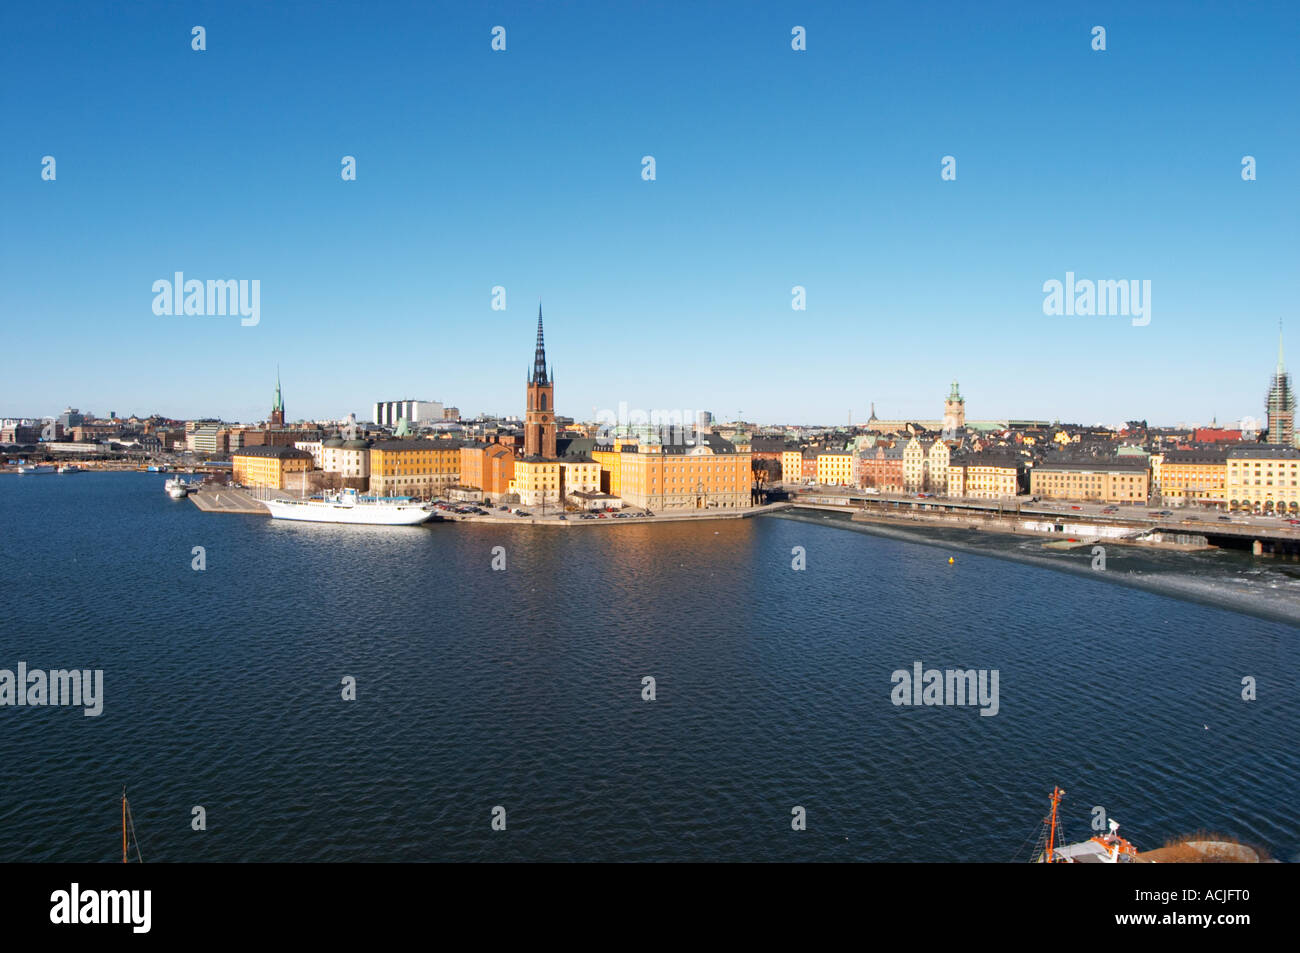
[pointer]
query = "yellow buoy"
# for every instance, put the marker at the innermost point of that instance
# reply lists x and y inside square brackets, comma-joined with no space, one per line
[950,561]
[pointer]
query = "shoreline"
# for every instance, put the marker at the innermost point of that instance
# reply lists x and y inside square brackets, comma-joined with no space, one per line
[1187,590]
[238,501]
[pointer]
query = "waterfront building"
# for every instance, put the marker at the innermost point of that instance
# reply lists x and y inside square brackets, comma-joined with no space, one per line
[957,474]
[1280,404]
[808,465]
[708,473]
[349,459]
[419,468]
[913,466]
[278,468]
[881,469]
[791,465]
[1182,477]
[609,454]
[488,466]
[936,465]
[835,468]
[536,481]
[1109,481]
[1263,478]
[578,475]
[988,476]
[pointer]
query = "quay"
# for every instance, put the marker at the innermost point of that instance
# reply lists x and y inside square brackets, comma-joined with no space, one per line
[224,499]
[1262,536]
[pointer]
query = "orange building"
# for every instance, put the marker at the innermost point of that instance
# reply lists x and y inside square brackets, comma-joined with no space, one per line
[685,476]
[487,466]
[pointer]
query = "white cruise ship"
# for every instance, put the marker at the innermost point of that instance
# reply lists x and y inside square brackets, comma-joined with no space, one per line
[31,468]
[348,507]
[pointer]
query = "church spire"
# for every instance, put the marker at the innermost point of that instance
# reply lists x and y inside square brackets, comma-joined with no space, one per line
[539,375]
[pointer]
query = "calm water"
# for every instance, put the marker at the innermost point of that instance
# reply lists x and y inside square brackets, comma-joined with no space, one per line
[523,689]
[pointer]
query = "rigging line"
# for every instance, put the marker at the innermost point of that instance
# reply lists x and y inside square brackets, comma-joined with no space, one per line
[1030,841]
[131,820]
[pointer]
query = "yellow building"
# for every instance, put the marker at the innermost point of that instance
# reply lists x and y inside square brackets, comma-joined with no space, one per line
[419,468]
[936,465]
[684,476]
[1191,476]
[580,476]
[835,468]
[991,477]
[1263,478]
[610,458]
[984,476]
[1105,481]
[792,466]
[536,481]
[273,467]
[956,477]
[913,466]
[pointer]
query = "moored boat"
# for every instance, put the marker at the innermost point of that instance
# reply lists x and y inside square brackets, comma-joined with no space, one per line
[178,489]
[347,506]
[35,468]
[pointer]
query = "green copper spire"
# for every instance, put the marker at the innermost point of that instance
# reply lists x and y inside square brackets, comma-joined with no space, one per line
[279,401]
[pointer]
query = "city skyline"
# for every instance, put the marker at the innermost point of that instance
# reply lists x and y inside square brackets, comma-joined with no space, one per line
[775,169]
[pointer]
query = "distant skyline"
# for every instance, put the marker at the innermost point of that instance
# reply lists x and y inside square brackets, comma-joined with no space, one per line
[522,169]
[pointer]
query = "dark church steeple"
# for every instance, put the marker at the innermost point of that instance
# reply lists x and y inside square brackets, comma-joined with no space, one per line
[539,374]
[539,414]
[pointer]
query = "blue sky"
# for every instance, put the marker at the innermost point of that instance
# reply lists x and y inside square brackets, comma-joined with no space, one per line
[775,168]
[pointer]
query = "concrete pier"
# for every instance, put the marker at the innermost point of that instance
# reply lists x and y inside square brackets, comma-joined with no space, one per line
[226,500]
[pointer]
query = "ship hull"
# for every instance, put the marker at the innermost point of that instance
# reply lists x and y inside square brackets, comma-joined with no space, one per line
[369,514]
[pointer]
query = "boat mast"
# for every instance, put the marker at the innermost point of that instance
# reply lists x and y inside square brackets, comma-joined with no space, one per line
[1057,794]
[124,825]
